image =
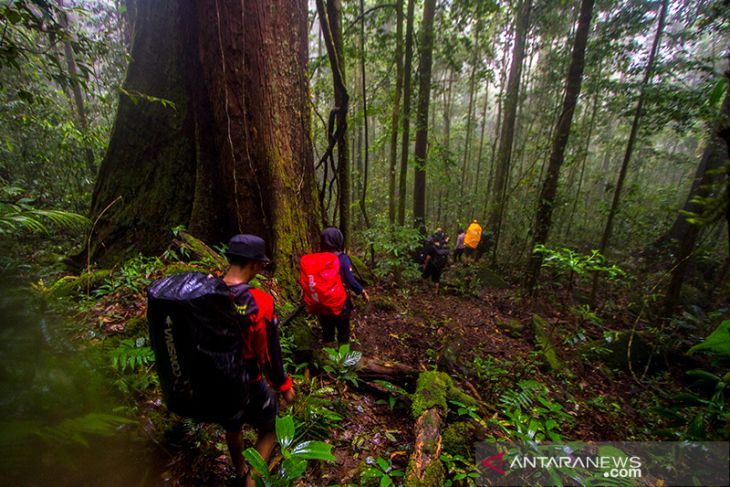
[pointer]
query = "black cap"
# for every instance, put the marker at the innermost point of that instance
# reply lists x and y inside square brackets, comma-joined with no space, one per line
[249,247]
[331,240]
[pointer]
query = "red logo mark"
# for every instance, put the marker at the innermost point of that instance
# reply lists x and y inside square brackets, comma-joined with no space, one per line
[493,461]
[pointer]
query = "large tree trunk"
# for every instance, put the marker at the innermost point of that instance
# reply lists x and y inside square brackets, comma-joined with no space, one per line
[233,154]
[424,95]
[396,111]
[562,133]
[405,136]
[498,195]
[713,157]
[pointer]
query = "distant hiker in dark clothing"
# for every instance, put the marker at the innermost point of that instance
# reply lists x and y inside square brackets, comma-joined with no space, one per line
[262,350]
[437,256]
[459,250]
[325,278]
[484,244]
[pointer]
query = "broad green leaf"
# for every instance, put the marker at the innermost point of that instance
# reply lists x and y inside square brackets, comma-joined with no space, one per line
[292,468]
[285,430]
[718,341]
[313,450]
[257,462]
[704,375]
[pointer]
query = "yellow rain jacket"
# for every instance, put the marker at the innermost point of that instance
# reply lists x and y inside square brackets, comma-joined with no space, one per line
[473,235]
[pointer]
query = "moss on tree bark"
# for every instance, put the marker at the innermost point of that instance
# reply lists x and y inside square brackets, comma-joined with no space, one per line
[233,155]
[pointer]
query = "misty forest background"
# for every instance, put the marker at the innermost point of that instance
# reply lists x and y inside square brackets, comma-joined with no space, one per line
[588,137]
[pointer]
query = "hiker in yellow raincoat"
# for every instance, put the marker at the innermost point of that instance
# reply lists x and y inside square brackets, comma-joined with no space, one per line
[471,240]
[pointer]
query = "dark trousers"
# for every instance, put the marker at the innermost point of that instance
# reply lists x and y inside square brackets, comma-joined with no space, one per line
[335,323]
[458,253]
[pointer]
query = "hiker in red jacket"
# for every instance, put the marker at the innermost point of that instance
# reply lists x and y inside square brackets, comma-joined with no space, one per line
[262,350]
[325,292]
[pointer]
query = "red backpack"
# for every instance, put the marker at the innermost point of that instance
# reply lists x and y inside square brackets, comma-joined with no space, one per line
[324,293]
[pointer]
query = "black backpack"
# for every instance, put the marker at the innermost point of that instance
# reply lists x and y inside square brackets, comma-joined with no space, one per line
[196,335]
[440,257]
[419,256]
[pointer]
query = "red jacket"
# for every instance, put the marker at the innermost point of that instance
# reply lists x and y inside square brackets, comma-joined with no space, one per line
[260,329]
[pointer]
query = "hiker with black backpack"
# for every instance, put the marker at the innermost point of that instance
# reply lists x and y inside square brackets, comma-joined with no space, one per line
[261,350]
[214,341]
[437,256]
[326,277]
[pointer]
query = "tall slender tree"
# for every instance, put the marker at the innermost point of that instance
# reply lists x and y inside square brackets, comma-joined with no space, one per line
[406,116]
[424,96]
[330,16]
[366,149]
[395,117]
[648,74]
[475,60]
[499,192]
[78,96]
[573,83]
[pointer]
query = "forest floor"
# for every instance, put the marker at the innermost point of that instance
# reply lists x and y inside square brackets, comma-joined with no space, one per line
[480,335]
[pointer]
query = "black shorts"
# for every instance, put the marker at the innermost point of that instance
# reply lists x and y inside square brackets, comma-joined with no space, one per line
[432,272]
[260,410]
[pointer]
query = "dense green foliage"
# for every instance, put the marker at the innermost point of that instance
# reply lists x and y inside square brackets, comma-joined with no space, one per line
[605,316]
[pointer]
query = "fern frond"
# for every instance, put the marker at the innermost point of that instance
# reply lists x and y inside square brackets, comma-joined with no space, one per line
[129,355]
[524,397]
[77,430]
[13,217]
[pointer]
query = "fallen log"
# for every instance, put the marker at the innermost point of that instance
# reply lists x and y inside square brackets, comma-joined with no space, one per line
[429,406]
[424,467]
[369,369]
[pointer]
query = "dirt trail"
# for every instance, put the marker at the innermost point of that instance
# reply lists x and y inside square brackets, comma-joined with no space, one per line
[417,327]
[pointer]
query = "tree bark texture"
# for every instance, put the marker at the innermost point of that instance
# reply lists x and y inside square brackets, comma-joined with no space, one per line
[395,117]
[405,136]
[233,155]
[366,149]
[424,96]
[573,83]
